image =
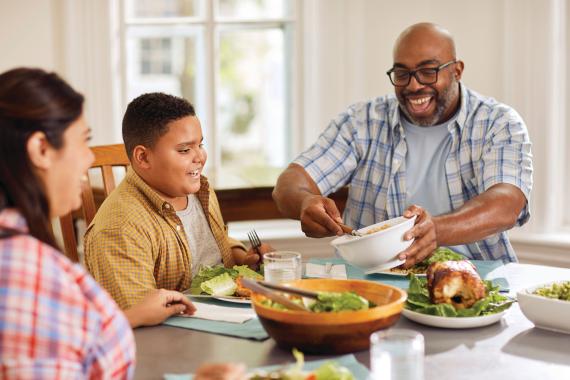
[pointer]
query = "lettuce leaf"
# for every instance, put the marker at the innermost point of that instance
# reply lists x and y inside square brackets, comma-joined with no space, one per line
[443,254]
[207,273]
[419,301]
[339,301]
[333,371]
[222,285]
[245,271]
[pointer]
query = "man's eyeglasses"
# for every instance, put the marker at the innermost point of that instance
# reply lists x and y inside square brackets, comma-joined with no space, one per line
[426,75]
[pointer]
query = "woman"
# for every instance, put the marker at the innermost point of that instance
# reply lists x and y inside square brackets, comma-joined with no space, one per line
[55,321]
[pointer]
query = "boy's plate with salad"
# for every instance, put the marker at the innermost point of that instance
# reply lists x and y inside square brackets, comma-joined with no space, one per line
[440,254]
[223,283]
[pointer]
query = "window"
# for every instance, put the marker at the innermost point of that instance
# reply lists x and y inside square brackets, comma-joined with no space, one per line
[234,60]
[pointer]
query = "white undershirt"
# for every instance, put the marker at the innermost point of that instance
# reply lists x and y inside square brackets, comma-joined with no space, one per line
[203,246]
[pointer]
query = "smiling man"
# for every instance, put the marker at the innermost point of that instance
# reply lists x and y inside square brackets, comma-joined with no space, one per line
[458,160]
[163,221]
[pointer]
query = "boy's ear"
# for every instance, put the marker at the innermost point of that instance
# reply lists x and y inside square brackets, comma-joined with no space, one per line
[140,157]
[39,150]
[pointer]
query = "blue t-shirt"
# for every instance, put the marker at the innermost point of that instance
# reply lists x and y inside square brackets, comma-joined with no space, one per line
[426,181]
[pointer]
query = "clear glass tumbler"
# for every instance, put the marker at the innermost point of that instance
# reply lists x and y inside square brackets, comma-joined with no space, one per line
[397,354]
[282,266]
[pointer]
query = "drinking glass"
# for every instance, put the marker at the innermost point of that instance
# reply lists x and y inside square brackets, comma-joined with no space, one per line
[282,266]
[397,354]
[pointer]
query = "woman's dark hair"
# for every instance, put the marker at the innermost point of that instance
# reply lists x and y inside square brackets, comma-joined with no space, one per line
[146,118]
[31,100]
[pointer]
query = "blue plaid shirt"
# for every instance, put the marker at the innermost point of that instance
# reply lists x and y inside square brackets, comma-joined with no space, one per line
[365,147]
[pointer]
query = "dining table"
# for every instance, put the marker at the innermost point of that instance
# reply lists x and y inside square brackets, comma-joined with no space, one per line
[512,348]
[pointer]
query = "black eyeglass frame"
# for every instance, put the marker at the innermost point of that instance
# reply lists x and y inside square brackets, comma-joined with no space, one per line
[414,73]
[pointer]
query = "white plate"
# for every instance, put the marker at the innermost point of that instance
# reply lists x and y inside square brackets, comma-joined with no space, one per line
[453,322]
[398,274]
[234,300]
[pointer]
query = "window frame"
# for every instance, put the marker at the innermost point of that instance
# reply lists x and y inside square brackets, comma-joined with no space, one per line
[207,86]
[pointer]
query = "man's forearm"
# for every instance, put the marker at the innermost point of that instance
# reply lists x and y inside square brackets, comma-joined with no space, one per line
[491,212]
[292,187]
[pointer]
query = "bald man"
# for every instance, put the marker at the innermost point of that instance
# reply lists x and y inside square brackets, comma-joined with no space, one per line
[458,160]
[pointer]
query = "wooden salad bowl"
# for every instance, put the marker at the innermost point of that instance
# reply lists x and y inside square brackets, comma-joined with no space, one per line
[334,332]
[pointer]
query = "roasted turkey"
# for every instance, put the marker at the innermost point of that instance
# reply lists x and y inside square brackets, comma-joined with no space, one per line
[455,282]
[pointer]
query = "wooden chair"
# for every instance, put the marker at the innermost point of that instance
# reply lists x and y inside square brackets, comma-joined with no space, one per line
[106,157]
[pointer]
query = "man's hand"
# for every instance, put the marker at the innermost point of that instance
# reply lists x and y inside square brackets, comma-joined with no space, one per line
[158,305]
[425,234]
[320,217]
[251,258]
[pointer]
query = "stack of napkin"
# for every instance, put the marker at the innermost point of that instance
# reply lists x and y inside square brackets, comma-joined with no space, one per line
[222,313]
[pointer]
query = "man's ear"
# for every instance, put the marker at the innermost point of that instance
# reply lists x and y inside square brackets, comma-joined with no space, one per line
[39,151]
[458,72]
[140,157]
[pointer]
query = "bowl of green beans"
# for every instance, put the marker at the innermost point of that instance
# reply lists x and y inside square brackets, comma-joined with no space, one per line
[547,305]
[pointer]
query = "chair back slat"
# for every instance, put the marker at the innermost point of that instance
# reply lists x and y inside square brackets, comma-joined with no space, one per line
[88,202]
[106,158]
[108,179]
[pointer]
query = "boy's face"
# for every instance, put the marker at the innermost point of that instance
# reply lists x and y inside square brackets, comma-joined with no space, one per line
[177,159]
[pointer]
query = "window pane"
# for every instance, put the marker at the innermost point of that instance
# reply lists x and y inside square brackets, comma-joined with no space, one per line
[164,59]
[251,102]
[163,8]
[249,9]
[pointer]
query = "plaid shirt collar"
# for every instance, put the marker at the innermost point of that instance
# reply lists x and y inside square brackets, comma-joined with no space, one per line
[12,219]
[163,207]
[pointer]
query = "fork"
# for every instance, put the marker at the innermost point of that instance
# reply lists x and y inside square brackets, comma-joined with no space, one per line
[254,241]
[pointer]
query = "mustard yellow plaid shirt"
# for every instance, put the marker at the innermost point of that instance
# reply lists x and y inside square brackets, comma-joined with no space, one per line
[136,242]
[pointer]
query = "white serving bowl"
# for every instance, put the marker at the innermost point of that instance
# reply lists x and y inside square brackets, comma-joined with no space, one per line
[546,313]
[376,251]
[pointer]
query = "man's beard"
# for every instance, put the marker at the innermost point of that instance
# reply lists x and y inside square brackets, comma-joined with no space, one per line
[443,102]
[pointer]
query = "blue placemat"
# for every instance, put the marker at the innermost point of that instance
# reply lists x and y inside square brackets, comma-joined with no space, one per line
[483,267]
[251,329]
[359,371]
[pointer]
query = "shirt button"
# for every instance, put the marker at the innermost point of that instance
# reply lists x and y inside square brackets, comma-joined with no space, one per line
[167,205]
[178,227]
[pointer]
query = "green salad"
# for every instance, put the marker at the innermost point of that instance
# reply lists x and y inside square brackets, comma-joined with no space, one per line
[328,371]
[329,302]
[559,291]
[419,301]
[440,254]
[219,280]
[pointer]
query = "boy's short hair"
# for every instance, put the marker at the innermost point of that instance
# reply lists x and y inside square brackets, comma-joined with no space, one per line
[147,116]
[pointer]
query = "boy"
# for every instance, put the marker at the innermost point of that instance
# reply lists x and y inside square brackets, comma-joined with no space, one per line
[163,221]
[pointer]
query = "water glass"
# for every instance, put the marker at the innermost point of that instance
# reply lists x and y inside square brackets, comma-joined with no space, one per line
[397,354]
[282,266]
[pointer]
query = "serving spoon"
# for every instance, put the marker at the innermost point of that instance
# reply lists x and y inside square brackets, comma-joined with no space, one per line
[349,230]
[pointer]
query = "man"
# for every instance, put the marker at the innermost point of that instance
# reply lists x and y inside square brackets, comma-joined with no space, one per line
[163,221]
[459,161]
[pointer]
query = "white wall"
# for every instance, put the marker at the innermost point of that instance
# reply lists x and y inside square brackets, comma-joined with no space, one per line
[28,35]
[73,38]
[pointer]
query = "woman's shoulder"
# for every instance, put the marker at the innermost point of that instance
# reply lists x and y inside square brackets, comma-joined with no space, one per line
[36,267]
